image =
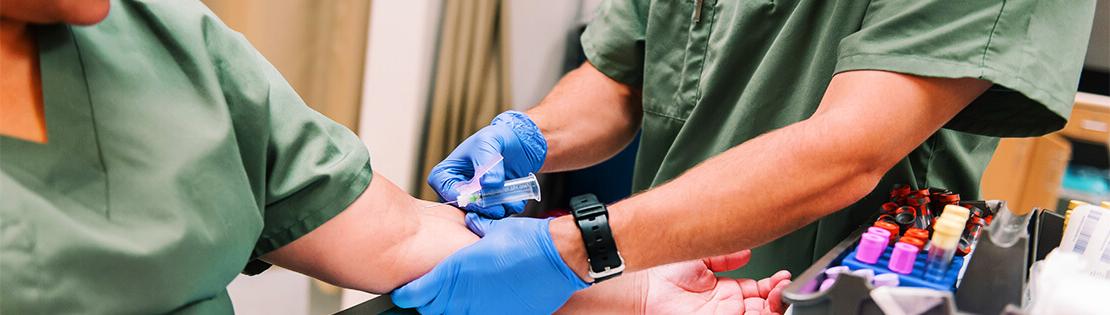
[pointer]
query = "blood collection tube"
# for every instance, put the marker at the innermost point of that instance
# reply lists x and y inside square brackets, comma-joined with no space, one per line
[825,285]
[924,218]
[942,247]
[879,231]
[833,272]
[920,234]
[887,217]
[905,215]
[902,258]
[970,236]
[870,247]
[885,280]
[888,208]
[899,193]
[916,242]
[957,211]
[892,227]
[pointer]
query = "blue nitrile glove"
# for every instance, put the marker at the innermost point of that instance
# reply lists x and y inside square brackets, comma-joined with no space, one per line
[511,135]
[513,269]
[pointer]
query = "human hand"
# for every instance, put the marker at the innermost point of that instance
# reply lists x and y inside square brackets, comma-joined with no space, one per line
[511,135]
[513,269]
[690,287]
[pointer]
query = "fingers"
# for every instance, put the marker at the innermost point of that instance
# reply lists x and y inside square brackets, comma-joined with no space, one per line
[771,305]
[774,298]
[478,224]
[495,176]
[728,262]
[515,207]
[754,306]
[766,284]
[749,288]
[443,180]
[420,293]
[499,211]
[493,212]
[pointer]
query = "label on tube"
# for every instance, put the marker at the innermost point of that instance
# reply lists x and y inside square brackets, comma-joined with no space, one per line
[1088,234]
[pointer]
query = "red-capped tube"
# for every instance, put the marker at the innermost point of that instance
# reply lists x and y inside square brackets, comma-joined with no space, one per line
[920,244]
[893,228]
[905,215]
[920,234]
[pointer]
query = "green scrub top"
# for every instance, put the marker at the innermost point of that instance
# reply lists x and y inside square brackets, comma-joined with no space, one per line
[749,67]
[176,155]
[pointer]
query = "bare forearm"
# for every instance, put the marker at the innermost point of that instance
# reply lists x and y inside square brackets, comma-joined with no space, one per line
[586,119]
[771,186]
[386,239]
[383,240]
[623,295]
[778,182]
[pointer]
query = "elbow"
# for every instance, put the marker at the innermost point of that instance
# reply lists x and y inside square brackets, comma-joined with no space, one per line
[846,191]
[864,171]
[859,186]
[858,157]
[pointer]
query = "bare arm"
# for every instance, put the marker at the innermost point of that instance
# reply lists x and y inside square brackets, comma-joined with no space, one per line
[586,119]
[796,174]
[383,240]
[387,238]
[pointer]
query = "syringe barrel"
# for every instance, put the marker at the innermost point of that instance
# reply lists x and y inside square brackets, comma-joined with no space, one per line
[524,188]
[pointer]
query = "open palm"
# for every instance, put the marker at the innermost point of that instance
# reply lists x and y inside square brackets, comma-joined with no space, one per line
[690,287]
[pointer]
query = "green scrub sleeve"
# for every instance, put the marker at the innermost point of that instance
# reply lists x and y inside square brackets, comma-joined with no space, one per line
[614,41]
[304,168]
[1032,50]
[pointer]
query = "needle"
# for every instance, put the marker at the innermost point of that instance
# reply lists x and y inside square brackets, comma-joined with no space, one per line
[440,204]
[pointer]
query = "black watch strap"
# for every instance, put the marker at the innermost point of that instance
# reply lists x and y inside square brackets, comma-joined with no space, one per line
[601,249]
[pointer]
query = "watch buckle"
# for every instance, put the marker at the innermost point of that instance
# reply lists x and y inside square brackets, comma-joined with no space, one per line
[609,271]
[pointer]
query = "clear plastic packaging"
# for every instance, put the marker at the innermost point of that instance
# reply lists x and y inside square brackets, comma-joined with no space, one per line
[1008,226]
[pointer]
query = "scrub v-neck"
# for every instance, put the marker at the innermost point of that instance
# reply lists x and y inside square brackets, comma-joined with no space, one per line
[71,161]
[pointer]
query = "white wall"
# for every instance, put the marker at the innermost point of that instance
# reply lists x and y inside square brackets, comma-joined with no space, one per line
[401,57]
[1098,51]
[399,64]
[538,37]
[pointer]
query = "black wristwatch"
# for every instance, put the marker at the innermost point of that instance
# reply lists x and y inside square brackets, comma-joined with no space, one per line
[601,250]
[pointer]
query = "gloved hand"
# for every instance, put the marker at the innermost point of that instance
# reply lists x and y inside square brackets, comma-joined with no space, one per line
[513,269]
[511,135]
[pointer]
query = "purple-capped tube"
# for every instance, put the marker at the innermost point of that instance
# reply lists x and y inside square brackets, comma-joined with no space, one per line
[902,259]
[885,280]
[832,272]
[825,285]
[880,231]
[870,247]
[865,273]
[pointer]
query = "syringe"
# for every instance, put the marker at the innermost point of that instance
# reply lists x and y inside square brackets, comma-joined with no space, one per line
[524,188]
[519,189]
